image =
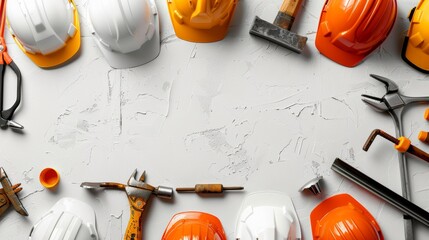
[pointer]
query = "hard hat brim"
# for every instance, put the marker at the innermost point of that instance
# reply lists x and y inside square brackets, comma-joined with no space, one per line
[63,54]
[148,52]
[325,47]
[415,57]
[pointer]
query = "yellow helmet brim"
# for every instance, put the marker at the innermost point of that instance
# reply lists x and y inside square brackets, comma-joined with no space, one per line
[61,55]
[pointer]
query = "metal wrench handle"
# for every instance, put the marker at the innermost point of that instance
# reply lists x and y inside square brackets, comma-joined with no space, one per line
[411,100]
[403,170]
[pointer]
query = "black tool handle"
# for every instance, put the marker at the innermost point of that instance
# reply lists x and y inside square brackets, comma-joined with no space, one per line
[8,113]
[381,191]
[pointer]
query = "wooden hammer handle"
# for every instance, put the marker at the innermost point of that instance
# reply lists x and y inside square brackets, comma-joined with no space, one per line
[287,13]
[290,7]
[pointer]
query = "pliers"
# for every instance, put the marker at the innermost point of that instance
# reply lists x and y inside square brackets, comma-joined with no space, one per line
[5,60]
[394,103]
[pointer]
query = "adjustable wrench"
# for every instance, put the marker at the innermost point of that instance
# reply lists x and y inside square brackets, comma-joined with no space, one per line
[138,193]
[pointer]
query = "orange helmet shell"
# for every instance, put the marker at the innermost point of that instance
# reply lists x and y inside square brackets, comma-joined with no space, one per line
[349,30]
[341,217]
[194,226]
[201,20]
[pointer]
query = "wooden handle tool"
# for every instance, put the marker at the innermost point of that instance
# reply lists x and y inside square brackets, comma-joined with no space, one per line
[287,13]
[208,188]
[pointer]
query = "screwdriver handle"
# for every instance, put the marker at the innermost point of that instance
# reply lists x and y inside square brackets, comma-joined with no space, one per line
[208,188]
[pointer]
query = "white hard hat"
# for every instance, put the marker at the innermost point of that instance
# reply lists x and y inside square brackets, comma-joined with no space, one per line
[267,215]
[126,31]
[68,219]
[47,31]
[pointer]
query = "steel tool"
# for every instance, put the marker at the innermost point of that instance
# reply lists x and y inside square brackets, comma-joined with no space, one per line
[138,193]
[402,204]
[394,103]
[5,60]
[279,31]
[208,188]
[313,185]
[8,195]
[402,144]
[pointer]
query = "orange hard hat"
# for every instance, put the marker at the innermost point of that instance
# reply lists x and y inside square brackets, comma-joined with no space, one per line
[201,20]
[349,30]
[342,217]
[195,226]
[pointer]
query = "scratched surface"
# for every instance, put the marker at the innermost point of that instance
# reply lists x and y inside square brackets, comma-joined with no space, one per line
[241,111]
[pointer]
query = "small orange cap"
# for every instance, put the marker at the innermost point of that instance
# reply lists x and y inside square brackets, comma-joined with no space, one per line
[423,136]
[403,145]
[49,177]
[426,116]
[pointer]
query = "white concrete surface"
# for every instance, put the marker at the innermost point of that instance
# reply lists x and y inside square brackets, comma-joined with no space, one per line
[241,111]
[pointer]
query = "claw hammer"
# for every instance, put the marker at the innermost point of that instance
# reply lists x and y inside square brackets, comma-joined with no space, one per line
[138,193]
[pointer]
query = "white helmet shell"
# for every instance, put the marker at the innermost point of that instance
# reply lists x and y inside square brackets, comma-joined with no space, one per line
[44,27]
[267,215]
[68,219]
[126,31]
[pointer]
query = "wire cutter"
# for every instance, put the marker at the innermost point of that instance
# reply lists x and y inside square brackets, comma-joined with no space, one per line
[5,60]
[394,103]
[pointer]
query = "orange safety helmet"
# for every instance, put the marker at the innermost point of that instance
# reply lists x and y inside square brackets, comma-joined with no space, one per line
[349,30]
[194,226]
[201,20]
[415,50]
[342,217]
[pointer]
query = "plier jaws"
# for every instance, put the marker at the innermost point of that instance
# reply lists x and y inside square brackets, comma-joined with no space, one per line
[391,86]
[10,123]
[377,103]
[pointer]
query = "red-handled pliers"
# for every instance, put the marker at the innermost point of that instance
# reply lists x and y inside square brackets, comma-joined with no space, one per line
[6,60]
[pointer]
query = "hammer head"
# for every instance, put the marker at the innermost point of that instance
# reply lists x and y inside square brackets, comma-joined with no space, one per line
[276,34]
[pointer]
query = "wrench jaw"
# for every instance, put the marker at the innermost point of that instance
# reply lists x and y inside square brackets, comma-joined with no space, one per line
[139,184]
[391,86]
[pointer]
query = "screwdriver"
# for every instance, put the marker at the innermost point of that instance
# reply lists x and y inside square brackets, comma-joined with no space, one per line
[208,188]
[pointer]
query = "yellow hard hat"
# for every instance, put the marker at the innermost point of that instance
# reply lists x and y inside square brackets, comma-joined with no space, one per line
[47,31]
[201,20]
[415,50]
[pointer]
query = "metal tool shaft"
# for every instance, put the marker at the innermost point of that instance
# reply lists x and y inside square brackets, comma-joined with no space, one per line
[381,191]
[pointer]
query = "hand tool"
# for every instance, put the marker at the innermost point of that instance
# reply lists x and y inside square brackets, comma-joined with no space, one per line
[279,31]
[394,103]
[208,188]
[138,193]
[402,204]
[313,185]
[402,144]
[6,60]
[8,195]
